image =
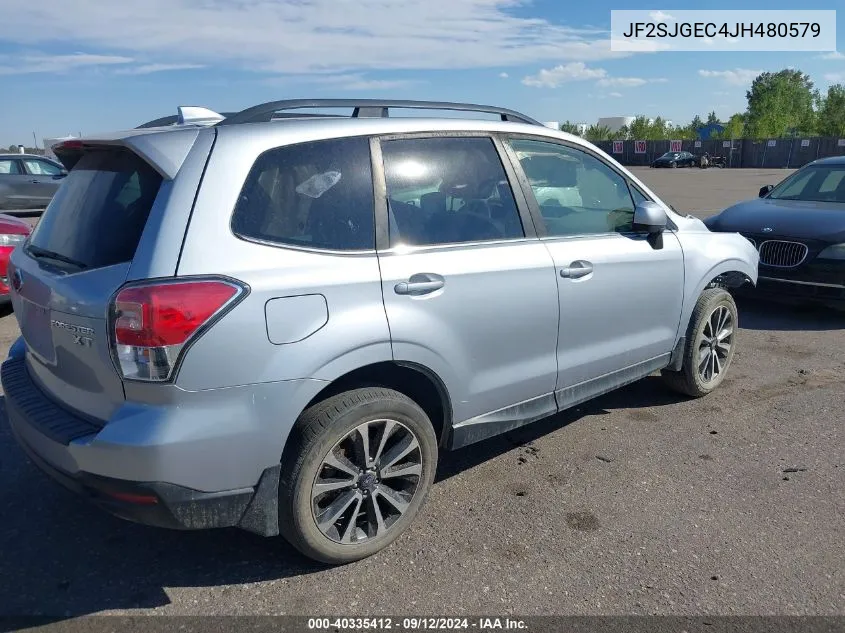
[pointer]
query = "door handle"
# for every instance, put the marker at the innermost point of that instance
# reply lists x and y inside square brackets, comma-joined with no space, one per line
[576,270]
[37,182]
[420,284]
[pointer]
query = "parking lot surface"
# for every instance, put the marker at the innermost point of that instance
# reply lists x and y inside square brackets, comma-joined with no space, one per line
[640,502]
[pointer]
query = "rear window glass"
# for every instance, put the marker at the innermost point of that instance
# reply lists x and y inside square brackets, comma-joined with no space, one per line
[99,211]
[317,195]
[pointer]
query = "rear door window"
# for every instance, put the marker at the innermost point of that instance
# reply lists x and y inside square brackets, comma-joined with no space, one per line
[314,195]
[9,167]
[448,191]
[98,214]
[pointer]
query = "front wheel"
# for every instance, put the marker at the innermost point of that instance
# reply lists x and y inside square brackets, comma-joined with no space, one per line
[357,469]
[710,345]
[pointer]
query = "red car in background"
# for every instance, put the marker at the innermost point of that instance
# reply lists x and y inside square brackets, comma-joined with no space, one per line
[12,232]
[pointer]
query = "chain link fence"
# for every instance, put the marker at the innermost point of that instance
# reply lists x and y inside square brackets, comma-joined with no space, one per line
[786,153]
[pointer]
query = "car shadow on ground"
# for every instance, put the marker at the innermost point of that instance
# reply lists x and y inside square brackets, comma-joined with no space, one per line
[649,392]
[62,557]
[759,314]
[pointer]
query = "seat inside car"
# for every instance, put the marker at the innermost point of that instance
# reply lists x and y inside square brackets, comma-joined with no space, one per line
[554,181]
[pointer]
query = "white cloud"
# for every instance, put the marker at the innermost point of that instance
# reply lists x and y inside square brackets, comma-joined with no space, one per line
[628,82]
[660,16]
[147,69]
[835,77]
[735,77]
[614,94]
[553,77]
[832,55]
[306,36]
[39,63]
[504,75]
[634,45]
[358,81]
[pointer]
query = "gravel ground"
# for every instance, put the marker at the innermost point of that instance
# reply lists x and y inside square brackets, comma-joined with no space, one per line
[637,503]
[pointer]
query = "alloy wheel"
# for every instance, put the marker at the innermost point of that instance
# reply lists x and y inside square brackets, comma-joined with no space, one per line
[367,481]
[715,346]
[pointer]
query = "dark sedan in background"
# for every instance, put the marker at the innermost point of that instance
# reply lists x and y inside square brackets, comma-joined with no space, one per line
[798,227]
[28,181]
[676,159]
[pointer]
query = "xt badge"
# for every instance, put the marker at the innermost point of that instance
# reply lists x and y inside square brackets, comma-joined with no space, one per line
[82,340]
[78,332]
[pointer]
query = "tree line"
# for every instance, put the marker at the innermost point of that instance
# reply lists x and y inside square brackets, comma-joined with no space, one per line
[779,105]
[14,149]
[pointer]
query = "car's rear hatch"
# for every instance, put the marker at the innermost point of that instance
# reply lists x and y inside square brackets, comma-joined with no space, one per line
[77,257]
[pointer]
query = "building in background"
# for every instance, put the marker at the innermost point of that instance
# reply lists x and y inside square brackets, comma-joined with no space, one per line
[615,123]
[707,130]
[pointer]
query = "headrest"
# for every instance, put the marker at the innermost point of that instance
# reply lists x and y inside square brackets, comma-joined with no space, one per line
[550,171]
[473,177]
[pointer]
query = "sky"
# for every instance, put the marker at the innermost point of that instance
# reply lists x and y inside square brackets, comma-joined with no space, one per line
[86,66]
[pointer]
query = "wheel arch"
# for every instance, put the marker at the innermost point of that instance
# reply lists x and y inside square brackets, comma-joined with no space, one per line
[416,381]
[727,273]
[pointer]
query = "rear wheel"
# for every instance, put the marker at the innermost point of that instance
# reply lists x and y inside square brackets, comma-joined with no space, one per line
[357,470]
[710,344]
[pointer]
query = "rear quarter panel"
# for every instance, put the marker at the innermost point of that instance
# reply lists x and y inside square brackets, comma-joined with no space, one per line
[238,349]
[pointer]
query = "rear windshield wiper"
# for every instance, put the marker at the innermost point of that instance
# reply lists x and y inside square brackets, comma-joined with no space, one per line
[43,253]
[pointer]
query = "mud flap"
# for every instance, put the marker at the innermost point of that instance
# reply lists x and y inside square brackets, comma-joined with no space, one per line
[262,514]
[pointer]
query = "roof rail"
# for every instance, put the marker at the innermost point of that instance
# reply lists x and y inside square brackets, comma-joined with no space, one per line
[366,108]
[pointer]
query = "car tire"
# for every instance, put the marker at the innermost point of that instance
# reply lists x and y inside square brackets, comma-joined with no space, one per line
[381,502]
[710,345]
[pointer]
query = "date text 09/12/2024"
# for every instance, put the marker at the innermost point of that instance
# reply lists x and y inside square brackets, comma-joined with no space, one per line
[416,624]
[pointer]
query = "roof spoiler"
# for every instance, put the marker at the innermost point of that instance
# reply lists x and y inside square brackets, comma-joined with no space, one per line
[187,115]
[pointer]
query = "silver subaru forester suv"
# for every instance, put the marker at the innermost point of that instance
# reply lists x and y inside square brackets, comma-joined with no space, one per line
[276,321]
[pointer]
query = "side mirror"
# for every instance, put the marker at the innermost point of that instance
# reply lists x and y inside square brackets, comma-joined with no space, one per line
[765,189]
[650,217]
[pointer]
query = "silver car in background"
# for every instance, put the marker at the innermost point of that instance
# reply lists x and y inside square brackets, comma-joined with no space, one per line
[28,181]
[277,322]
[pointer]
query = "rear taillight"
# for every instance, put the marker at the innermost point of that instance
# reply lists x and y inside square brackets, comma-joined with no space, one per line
[153,322]
[8,242]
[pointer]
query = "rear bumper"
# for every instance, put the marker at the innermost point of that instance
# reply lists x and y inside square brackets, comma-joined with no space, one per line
[208,459]
[150,503]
